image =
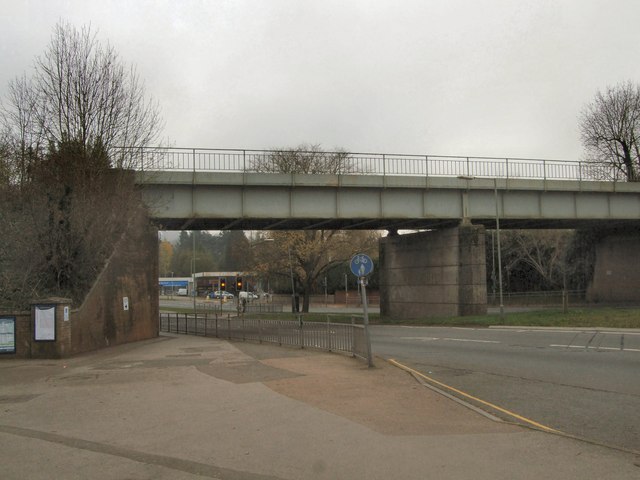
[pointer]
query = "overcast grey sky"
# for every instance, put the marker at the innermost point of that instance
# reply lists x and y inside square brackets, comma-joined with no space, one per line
[457,77]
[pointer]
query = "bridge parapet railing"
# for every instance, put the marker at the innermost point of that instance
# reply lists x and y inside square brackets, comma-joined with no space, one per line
[314,162]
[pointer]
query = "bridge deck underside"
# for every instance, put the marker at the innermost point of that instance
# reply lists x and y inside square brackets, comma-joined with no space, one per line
[210,223]
[276,202]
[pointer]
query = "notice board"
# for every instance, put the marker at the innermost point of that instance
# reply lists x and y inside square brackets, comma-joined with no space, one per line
[7,334]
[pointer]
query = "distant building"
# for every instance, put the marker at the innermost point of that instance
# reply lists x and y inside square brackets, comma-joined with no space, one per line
[171,285]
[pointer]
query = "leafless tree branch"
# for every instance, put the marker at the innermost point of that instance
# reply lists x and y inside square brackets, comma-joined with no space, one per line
[610,129]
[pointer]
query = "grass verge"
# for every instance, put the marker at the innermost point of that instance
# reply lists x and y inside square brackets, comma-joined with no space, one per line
[576,317]
[604,317]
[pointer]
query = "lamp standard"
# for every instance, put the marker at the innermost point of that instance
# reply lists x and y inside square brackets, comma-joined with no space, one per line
[326,298]
[293,288]
[495,193]
[346,292]
[193,269]
[495,197]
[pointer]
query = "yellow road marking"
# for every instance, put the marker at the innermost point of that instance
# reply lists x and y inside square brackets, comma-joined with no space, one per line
[475,399]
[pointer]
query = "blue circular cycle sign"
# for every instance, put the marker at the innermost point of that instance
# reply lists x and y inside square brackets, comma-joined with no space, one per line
[361,265]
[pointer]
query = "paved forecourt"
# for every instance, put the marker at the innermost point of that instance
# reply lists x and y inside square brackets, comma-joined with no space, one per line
[192,407]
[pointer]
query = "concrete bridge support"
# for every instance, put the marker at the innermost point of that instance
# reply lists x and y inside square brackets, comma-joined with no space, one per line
[616,274]
[434,273]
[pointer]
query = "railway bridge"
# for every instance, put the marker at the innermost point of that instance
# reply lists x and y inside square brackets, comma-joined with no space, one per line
[451,200]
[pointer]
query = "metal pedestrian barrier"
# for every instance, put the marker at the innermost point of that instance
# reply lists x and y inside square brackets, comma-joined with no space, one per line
[332,337]
[353,163]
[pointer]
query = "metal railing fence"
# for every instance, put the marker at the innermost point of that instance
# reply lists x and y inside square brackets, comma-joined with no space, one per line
[252,307]
[271,161]
[544,298]
[334,337]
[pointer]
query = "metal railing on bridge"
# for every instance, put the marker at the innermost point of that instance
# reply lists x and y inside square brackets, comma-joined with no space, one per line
[334,337]
[271,161]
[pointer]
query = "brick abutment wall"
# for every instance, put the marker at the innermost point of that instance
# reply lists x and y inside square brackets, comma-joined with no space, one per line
[121,307]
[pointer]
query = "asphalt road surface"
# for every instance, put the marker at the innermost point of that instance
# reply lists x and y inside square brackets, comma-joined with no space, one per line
[585,383]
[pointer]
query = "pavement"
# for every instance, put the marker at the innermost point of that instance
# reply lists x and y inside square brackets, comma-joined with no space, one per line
[186,407]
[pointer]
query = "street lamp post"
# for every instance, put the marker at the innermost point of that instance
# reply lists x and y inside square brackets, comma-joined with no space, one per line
[193,270]
[326,300]
[293,288]
[346,292]
[495,191]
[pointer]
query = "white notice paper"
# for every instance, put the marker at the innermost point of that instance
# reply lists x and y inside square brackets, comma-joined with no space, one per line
[45,322]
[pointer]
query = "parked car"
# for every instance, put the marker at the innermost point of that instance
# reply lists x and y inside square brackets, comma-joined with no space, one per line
[221,294]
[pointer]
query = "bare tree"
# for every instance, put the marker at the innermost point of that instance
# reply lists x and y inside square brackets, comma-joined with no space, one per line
[21,137]
[542,250]
[305,158]
[63,206]
[305,256]
[6,164]
[610,130]
[81,92]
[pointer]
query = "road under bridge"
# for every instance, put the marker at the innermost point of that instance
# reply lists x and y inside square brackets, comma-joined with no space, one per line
[439,271]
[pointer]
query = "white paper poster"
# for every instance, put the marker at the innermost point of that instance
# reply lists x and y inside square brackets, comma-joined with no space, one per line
[45,322]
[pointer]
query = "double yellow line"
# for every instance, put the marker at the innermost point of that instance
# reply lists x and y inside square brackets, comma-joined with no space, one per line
[475,399]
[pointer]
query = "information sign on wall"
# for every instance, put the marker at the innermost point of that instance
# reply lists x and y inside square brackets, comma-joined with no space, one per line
[7,334]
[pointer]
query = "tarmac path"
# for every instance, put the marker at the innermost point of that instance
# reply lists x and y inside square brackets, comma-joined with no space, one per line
[185,407]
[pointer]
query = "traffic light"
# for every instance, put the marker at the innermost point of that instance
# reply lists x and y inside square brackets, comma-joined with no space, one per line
[223,284]
[239,284]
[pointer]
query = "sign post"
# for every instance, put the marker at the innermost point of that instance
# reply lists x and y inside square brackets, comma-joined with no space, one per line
[362,266]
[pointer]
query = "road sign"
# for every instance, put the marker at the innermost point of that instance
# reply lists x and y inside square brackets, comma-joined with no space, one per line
[361,265]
